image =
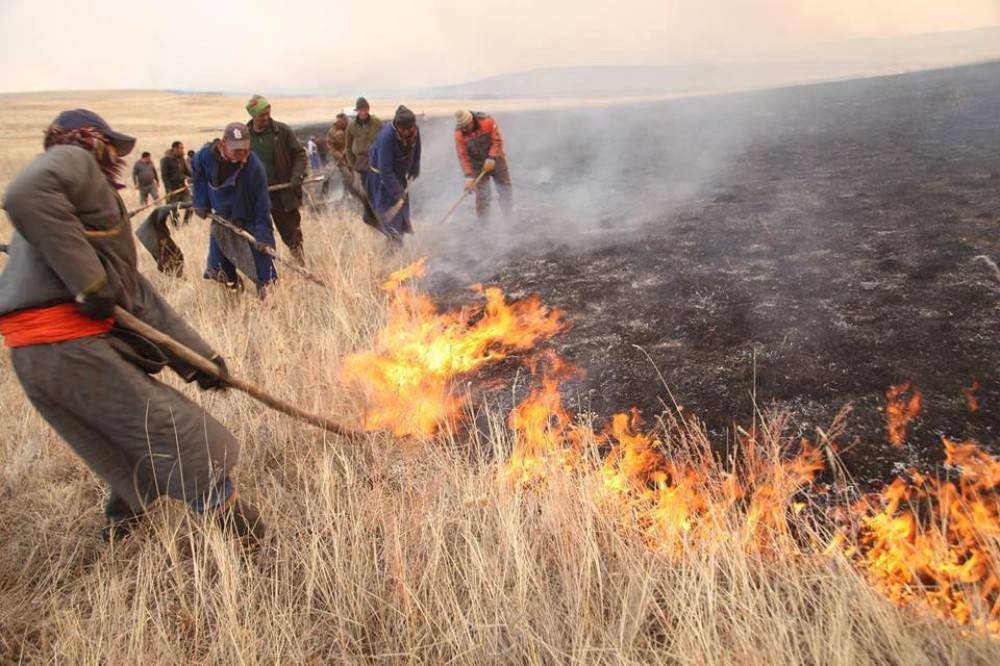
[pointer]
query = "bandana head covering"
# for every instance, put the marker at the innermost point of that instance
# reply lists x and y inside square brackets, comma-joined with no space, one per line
[257,104]
[94,142]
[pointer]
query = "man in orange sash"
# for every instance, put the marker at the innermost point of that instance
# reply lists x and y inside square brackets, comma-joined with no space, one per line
[72,260]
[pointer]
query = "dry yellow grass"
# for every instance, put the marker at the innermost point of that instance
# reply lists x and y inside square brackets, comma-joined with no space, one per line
[384,551]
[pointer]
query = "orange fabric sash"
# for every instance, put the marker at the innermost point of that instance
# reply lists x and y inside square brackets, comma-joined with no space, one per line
[41,326]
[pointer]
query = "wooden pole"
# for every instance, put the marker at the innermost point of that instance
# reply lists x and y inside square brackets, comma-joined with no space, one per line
[202,364]
[285,186]
[153,203]
[465,193]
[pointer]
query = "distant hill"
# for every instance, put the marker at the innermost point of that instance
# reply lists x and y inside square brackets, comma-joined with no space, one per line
[817,63]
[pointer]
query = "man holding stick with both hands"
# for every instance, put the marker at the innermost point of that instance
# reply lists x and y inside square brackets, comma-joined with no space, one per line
[394,162]
[480,151]
[72,263]
[232,181]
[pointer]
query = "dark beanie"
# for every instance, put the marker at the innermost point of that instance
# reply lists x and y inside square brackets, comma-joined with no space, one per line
[362,103]
[404,118]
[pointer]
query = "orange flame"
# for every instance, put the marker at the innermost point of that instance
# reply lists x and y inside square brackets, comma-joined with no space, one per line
[937,542]
[407,377]
[970,396]
[544,435]
[900,411]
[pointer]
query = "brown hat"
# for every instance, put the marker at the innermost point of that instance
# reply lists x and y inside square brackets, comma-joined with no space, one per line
[362,103]
[462,118]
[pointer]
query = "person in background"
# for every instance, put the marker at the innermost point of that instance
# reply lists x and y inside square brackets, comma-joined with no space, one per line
[336,150]
[394,163]
[480,151]
[284,159]
[231,181]
[72,262]
[360,136]
[145,178]
[312,151]
[175,172]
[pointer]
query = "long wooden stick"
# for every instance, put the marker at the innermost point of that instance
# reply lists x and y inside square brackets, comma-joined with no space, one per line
[272,188]
[202,364]
[157,201]
[285,186]
[266,249]
[465,193]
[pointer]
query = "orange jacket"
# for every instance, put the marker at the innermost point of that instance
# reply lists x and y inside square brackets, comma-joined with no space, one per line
[477,145]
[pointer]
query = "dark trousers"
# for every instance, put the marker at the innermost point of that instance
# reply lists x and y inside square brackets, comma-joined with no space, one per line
[505,190]
[289,225]
[147,193]
[143,437]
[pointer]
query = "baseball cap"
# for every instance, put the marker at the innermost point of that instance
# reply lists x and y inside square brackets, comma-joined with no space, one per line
[237,136]
[77,118]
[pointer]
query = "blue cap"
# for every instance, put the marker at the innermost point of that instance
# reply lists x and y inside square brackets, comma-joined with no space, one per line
[77,118]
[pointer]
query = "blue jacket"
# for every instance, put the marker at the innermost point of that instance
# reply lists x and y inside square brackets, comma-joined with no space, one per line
[243,198]
[391,165]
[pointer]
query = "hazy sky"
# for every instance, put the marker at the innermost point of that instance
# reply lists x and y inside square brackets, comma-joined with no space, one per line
[326,45]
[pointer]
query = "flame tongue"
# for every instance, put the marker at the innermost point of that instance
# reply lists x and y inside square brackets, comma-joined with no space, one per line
[900,411]
[937,542]
[407,377]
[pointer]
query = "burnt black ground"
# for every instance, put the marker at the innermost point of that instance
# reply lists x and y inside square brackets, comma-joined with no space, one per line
[812,246]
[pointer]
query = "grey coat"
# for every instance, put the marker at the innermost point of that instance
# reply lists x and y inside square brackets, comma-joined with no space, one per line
[73,236]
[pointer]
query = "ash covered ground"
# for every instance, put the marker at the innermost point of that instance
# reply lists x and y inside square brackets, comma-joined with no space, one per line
[811,246]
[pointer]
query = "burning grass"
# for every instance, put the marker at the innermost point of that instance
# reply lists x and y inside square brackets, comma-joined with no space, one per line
[670,489]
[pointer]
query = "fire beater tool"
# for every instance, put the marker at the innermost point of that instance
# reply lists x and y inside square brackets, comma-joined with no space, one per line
[266,249]
[465,193]
[202,364]
[360,194]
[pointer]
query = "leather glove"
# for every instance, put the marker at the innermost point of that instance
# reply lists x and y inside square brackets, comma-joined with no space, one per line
[99,304]
[470,184]
[489,165]
[207,382]
[297,188]
[202,212]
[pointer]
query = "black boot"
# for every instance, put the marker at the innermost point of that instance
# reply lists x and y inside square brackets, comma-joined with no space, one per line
[240,519]
[119,518]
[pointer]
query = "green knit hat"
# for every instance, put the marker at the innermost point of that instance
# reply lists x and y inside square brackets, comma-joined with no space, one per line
[257,104]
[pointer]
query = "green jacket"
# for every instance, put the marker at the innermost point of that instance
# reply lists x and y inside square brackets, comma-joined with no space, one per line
[290,163]
[360,138]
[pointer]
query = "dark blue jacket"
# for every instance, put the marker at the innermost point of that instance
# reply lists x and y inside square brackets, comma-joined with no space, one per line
[391,165]
[243,198]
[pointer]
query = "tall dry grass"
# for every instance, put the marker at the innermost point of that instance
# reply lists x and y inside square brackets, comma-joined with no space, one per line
[388,551]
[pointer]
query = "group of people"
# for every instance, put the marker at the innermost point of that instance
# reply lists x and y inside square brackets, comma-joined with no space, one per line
[72,264]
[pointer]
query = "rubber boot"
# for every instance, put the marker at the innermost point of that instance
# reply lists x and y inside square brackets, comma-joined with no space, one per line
[119,518]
